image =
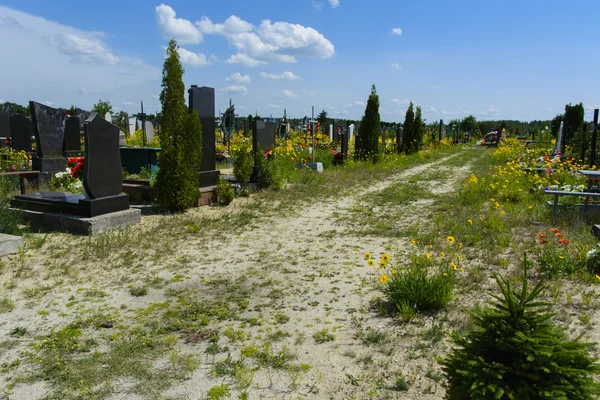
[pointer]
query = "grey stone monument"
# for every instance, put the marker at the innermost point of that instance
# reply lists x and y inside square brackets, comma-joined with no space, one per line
[132,122]
[21,132]
[350,132]
[202,100]
[149,131]
[72,143]
[49,130]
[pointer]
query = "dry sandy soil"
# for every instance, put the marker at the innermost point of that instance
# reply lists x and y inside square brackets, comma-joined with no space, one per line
[291,274]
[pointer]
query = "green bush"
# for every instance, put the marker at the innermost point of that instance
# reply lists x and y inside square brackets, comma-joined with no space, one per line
[555,261]
[242,167]
[514,351]
[369,131]
[225,192]
[416,289]
[273,172]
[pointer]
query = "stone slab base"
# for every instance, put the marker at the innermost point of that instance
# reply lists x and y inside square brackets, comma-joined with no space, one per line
[10,244]
[49,221]
[596,230]
[208,178]
[208,195]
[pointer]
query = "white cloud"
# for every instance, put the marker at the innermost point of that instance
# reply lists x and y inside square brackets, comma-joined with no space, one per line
[269,42]
[235,90]
[48,103]
[334,3]
[400,101]
[272,107]
[285,75]
[289,93]
[493,110]
[237,77]
[395,65]
[127,103]
[62,49]
[176,28]
[84,49]
[355,104]
[433,110]
[317,5]
[243,59]
[191,59]
[396,31]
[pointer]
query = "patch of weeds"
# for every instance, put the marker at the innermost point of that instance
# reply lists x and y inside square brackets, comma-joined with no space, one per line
[267,357]
[401,384]
[138,291]
[6,305]
[18,331]
[372,336]
[281,318]
[236,335]
[323,336]
[278,335]
[218,392]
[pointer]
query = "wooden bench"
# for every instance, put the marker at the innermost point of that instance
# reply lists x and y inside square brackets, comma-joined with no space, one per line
[558,193]
[22,177]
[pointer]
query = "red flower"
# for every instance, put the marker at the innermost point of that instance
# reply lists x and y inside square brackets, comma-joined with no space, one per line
[543,241]
[564,241]
[554,230]
[560,235]
[541,236]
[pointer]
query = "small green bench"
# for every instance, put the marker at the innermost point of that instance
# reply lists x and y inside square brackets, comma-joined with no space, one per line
[558,193]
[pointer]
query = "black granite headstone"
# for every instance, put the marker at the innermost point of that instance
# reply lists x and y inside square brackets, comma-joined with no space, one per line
[336,134]
[246,127]
[21,131]
[49,131]
[72,141]
[102,176]
[263,137]
[4,124]
[202,99]
[344,140]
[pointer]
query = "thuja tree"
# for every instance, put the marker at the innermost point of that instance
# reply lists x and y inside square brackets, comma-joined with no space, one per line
[367,141]
[180,137]
[418,131]
[514,351]
[407,134]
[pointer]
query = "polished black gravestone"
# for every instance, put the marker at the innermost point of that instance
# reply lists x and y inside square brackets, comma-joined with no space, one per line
[246,127]
[72,143]
[102,179]
[336,134]
[344,140]
[49,130]
[202,99]
[399,134]
[263,137]
[4,124]
[21,132]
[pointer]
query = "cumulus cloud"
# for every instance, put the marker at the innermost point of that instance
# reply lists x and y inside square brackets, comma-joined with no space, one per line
[235,90]
[395,65]
[269,42]
[400,101]
[334,3]
[191,59]
[285,75]
[243,59]
[180,29]
[127,103]
[237,77]
[317,5]
[396,31]
[84,49]
[289,93]
[60,76]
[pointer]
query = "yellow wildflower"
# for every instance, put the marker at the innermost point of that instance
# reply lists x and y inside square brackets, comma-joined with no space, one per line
[445,274]
[394,272]
[383,278]
[462,270]
[413,241]
[460,245]
[381,264]
[458,258]
[428,255]
[442,255]
[470,221]
[502,212]
[453,265]
[371,262]
[450,239]
[367,255]
[385,258]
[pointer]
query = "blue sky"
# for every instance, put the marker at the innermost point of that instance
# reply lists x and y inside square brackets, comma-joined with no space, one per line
[496,60]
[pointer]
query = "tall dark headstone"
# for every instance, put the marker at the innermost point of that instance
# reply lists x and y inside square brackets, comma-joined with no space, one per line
[246,127]
[594,137]
[336,134]
[102,175]
[72,143]
[344,140]
[441,128]
[21,132]
[49,131]
[202,100]
[4,125]
[399,133]
[263,138]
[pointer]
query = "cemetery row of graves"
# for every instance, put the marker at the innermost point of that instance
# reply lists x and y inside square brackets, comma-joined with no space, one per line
[352,279]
